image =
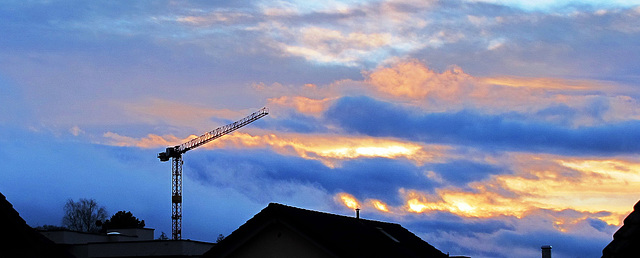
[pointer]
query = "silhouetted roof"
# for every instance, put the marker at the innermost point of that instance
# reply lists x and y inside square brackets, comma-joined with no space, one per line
[340,235]
[626,241]
[20,240]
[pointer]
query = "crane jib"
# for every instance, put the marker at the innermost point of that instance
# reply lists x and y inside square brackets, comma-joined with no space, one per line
[175,151]
[221,131]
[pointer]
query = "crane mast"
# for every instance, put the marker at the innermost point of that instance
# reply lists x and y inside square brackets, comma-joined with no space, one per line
[175,154]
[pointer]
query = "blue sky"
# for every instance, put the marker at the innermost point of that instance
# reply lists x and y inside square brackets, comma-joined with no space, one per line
[475,124]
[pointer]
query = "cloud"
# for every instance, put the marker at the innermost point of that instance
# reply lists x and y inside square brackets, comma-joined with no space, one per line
[75,130]
[414,80]
[374,178]
[538,44]
[483,237]
[331,150]
[151,141]
[111,174]
[298,123]
[348,200]
[549,5]
[162,111]
[585,187]
[477,124]
[215,18]
[302,104]
[446,223]
[361,115]
[546,83]
[255,177]
[461,172]
[563,244]
[457,233]
[332,46]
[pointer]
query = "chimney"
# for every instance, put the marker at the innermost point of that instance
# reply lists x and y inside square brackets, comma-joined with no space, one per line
[357,213]
[546,251]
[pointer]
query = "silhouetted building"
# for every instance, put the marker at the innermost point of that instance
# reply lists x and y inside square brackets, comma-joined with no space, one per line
[626,241]
[20,240]
[284,231]
[131,242]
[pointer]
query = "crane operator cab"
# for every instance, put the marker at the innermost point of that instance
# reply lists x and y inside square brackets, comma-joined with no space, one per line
[169,153]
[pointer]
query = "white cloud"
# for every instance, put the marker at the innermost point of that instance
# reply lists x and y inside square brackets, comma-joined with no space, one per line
[551,4]
[75,130]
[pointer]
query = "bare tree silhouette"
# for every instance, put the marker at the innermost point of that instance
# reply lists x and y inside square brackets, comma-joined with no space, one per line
[85,215]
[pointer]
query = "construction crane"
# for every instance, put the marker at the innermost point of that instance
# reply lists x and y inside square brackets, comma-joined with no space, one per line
[175,154]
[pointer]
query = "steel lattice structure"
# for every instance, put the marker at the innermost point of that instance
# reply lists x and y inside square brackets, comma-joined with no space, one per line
[175,154]
[176,198]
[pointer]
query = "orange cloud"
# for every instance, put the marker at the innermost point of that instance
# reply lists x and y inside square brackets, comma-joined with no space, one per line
[416,84]
[539,182]
[463,203]
[412,80]
[453,89]
[329,149]
[584,184]
[151,141]
[348,200]
[302,104]
[379,205]
[352,202]
[294,96]
[543,83]
[154,111]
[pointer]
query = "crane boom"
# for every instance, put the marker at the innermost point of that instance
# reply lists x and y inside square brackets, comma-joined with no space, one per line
[175,154]
[172,152]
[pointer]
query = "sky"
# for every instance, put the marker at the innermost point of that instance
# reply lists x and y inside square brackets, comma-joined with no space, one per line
[486,127]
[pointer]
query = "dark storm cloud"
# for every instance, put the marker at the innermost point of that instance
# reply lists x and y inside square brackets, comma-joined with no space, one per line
[364,115]
[446,222]
[364,178]
[563,244]
[599,224]
[461,172]
[559,113]
[298,123]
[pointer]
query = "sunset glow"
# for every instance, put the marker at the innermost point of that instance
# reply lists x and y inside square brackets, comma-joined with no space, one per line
[485,127]
[328,149]
[349,201]
[381,206]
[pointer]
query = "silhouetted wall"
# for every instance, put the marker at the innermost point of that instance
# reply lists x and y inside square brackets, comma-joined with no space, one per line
[20,240]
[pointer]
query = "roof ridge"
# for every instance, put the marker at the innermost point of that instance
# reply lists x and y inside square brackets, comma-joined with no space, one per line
[327,213]
[339,235]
